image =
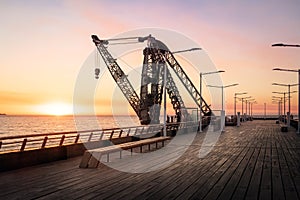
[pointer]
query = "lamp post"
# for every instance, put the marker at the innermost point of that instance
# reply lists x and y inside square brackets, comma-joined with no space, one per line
[249,104]
[235,94]
[222,87]
[284,93]
[283,103]
[242,99]
[222,111]
[279,100]
[200,91]
[289,99]
[291,70]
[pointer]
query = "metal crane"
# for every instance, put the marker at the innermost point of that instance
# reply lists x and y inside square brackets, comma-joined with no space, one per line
[156,57]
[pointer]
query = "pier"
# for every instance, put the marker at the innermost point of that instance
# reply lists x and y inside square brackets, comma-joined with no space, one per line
[253,161]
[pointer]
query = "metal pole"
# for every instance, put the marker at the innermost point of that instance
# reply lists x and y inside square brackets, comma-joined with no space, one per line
[222,98]
[298,131]
[165,102]
[278,110]
[235,104]
[289,114]
[281,104]
[246,109]
[242,109]
[284,108]
[265,110]
[200,117]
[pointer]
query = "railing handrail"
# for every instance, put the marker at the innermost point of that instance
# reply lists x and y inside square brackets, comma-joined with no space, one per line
[72,137]
[82,131]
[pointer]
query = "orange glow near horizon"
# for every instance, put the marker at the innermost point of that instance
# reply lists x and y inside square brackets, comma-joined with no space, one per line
[55,108]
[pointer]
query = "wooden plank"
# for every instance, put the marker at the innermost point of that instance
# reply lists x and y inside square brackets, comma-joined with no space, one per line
[277,184]
[235,178]
[253,188]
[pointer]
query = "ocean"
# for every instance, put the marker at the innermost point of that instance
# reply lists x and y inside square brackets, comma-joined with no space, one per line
[12,125]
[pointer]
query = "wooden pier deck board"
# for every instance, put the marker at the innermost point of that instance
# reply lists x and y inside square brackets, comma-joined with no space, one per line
[254,161]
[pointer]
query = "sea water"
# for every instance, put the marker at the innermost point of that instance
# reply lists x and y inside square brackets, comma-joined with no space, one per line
[11,125]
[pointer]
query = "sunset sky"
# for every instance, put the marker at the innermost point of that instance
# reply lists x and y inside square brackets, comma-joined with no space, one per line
[45,43]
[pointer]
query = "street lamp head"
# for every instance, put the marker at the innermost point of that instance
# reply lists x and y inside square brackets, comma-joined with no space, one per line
[290,85]
[279,84]
[285,45]
[240,93]
[244,98]
[214,72]
[195,49]
[235,84]
[286,70]
[279,92]
[278,45]
[182,51]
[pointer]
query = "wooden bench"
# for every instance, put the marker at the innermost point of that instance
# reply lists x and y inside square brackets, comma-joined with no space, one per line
[91,158]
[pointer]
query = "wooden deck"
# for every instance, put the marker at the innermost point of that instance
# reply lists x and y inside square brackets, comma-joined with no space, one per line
[254,161]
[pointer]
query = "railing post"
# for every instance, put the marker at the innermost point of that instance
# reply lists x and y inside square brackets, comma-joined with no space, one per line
[101,136]
[0,144]
[62,140]
[111,135]
[120,134]
[90,138]
[136,129]
[142,131]
[148,130]
[23,144]
[44,142]
[128,131]
[77,138]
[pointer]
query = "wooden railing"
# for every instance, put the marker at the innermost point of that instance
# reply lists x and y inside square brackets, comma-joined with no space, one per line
[40,141]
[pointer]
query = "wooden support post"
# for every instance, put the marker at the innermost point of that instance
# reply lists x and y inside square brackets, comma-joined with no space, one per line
[149,147]
[0,144]
[111,135]
[44,142]
[107,157]
[62,140]
[90,138]
[23,144]
[77,138]
[141,148]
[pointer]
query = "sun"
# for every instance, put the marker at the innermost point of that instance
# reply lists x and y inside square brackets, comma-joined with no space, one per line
[55,108]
